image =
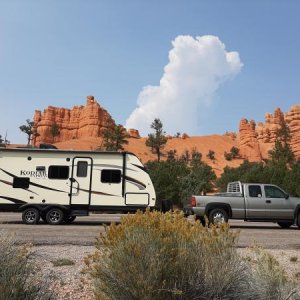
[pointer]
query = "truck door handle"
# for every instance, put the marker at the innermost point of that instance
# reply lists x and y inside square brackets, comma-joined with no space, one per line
[268,201]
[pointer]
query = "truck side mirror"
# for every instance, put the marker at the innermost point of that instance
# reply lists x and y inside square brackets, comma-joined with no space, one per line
[287,196]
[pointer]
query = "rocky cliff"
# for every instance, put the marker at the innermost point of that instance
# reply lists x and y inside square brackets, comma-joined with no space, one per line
[81,127]
[255,141]
[76,123]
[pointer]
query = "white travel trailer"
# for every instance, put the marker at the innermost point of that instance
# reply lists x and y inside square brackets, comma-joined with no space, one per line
[58,185]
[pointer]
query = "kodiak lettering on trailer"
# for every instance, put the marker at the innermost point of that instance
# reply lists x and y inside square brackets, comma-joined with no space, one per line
[35,174]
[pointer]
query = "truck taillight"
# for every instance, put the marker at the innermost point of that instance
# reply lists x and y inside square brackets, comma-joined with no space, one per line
[193,201]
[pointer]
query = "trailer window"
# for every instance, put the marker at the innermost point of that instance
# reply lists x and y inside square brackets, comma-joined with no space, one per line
[82,167]
[21,182]
[255,191]
[111,176]
[58,172]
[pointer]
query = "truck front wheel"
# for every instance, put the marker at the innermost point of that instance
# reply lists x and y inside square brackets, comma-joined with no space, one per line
[218,216]
[298,220]
[285,224]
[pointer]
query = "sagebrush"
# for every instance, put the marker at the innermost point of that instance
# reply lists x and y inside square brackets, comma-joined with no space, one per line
[163,256]
[17,273]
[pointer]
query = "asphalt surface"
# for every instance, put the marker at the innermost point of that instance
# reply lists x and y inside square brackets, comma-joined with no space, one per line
[84,230]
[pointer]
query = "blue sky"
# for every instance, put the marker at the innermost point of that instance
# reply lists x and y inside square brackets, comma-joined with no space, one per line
[58,52]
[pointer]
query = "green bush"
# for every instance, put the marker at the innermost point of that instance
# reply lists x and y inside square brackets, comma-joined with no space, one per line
[164,256]
[17,279]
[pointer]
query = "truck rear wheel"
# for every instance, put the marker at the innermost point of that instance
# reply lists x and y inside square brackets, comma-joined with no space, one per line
[218,216]
[55,216]
[31,216]
[285,224]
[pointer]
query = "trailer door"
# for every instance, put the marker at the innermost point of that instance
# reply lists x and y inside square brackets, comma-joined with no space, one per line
[81,182]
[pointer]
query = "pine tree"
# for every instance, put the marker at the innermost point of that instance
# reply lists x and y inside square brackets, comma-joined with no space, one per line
[114,138]
[55,131]
[28,129]
[157,140]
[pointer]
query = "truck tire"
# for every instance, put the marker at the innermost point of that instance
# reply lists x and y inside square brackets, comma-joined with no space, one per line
[298,220]
[218,216]
[285,224]
[55,216]
[201,220]
[31,216]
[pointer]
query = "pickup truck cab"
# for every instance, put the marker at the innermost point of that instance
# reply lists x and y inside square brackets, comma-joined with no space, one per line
[249,202]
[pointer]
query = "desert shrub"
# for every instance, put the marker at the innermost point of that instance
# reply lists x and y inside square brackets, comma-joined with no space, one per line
[17,279]
[164,256]
[272,280]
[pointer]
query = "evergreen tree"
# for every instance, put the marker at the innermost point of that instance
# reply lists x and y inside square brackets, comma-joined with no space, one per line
[114,138]
[211,155]
[157,140]
[55,130]
[1,139]
[282,153]
[28,129]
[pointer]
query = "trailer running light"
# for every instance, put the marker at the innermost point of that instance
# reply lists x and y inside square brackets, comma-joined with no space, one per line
[193,201]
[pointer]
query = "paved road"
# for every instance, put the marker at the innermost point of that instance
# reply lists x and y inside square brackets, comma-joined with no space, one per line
[84,230]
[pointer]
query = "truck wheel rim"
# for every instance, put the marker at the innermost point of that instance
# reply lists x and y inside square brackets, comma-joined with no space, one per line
[30,216]
[219,218]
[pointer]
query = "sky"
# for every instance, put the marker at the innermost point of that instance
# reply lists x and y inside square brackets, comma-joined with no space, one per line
[200,66]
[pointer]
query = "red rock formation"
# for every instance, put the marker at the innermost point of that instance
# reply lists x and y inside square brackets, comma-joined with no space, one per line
[264,134]
[78,122]
[292,119]
[248,143]
[134,133]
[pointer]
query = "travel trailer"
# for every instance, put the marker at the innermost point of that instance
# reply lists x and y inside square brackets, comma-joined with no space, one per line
[58,185]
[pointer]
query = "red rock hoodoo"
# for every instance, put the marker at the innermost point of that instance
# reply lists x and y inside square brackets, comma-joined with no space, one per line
[255,141]
[75,123]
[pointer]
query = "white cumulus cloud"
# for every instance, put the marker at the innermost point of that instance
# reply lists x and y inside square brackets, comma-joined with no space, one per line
[196,69]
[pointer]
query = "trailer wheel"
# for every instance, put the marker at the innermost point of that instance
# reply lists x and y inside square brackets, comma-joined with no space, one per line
[31,216]
[285,224]
[218,216]
[69,219]
[55,216]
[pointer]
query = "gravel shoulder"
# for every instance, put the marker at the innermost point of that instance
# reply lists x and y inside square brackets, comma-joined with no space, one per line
[69,282]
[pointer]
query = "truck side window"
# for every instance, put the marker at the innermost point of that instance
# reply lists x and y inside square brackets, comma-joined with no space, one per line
[111,176]
[273,192]
[58,172]
[255,191]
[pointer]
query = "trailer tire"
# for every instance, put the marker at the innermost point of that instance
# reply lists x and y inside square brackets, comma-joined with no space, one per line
[218,216]
[55,216]
[31,216]
[285,224]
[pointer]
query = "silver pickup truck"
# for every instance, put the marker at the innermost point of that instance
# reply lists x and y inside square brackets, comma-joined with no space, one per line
[249,202]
